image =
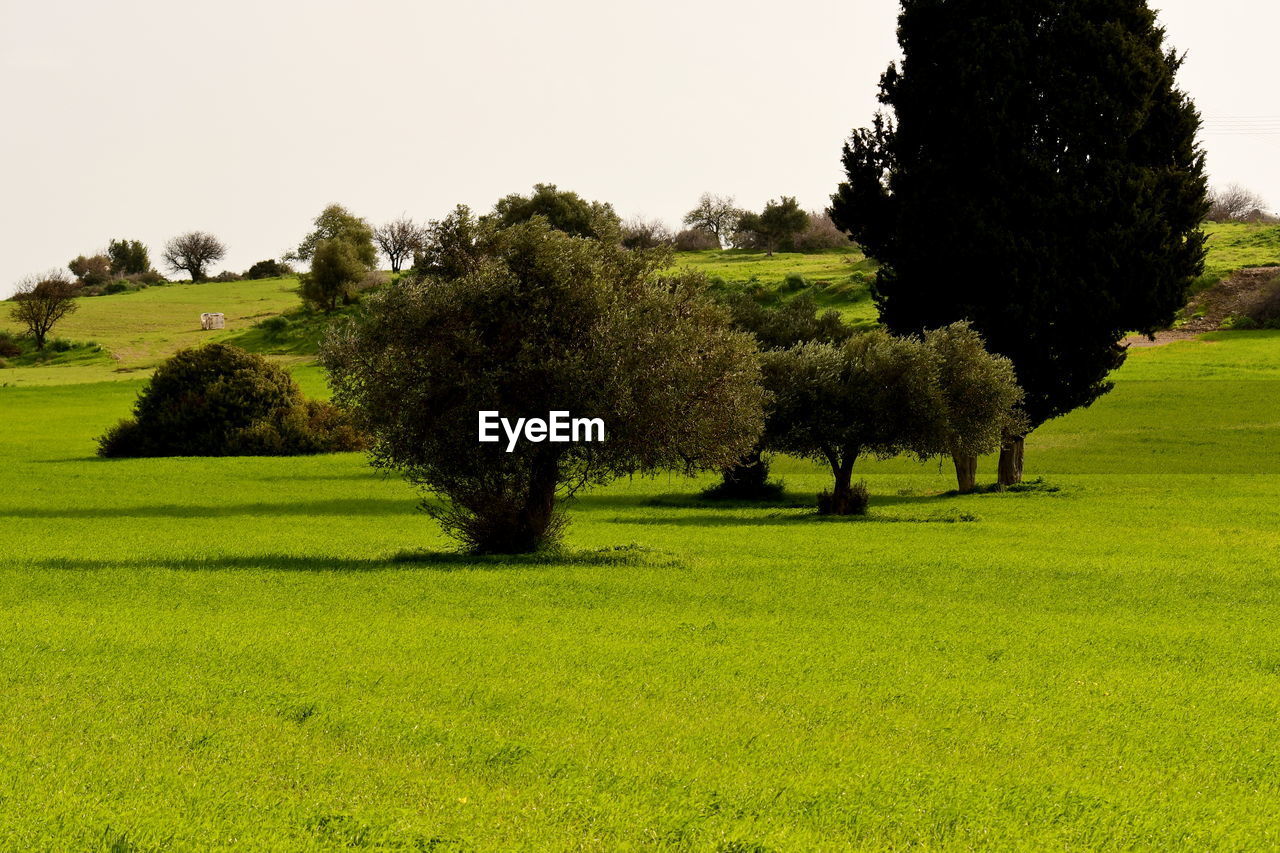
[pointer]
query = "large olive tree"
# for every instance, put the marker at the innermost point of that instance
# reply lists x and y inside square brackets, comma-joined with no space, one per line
[544,322]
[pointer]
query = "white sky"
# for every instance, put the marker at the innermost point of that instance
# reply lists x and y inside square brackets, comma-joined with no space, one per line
[144,118]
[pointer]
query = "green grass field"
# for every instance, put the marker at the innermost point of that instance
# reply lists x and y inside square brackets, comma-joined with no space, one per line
[265,653]
[283,654]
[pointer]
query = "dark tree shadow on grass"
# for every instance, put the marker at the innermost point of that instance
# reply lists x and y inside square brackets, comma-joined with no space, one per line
[445,561]
[335,507]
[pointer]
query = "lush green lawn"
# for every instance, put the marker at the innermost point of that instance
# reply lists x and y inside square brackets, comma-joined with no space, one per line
[280,653]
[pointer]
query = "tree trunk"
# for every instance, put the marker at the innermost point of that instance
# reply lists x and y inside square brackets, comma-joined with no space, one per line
[842,500]
[1011,462]
[966,472]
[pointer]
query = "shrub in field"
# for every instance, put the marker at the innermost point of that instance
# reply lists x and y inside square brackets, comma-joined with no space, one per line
[219,400]
[873,394]
[275,326]
[545,322]
[269,268]
[226,275]
[91,271]
[856,502]
[9,348]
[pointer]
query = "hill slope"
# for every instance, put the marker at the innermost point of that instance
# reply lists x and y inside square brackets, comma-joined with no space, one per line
[137,330]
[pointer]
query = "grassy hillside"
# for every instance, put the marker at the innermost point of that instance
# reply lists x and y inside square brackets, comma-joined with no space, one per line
[135,331]
[142,328]
[280,653]
[838,279]
[1234,245]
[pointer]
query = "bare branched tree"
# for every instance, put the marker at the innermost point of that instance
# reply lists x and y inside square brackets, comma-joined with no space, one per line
[1234,203]
[193,252]
[43,300]
[399,239]
[715,213]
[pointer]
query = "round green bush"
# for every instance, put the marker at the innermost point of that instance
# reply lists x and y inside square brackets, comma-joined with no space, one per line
[218,400]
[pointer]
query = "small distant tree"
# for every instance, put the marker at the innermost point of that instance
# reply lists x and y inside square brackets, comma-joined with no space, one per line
[640,233]
[777,224]
[716,214]
[874,394]
[452,246]
[128,257]
[335,222]
[399,239]
[982,398]
[91,270]
[193,253]
[336,271]
[269,268]
[1234,203]
[774,326]
[545,321]
[41,301]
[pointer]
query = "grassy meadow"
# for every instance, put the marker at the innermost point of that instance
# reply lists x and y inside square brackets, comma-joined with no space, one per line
[283,654]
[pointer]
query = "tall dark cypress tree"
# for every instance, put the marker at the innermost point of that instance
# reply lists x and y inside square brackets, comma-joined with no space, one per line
[1040,177]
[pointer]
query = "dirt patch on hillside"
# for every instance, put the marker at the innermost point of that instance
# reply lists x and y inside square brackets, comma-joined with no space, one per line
[1247,293]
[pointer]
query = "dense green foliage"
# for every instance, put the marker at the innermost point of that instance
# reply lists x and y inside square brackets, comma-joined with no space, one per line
[219,400]
[1039,177]
[285,659]
[336,223]
[269,268]
[774,326]
[547,322]
[773,228]
[128,257]
[565,210]
[91,270]
[336,270]
[873,394]
[980,394]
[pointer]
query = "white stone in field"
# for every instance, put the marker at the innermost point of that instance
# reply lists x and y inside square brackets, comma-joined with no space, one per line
[210,322]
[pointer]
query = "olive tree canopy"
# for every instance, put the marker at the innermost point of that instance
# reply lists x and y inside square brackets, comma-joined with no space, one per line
[544,322]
